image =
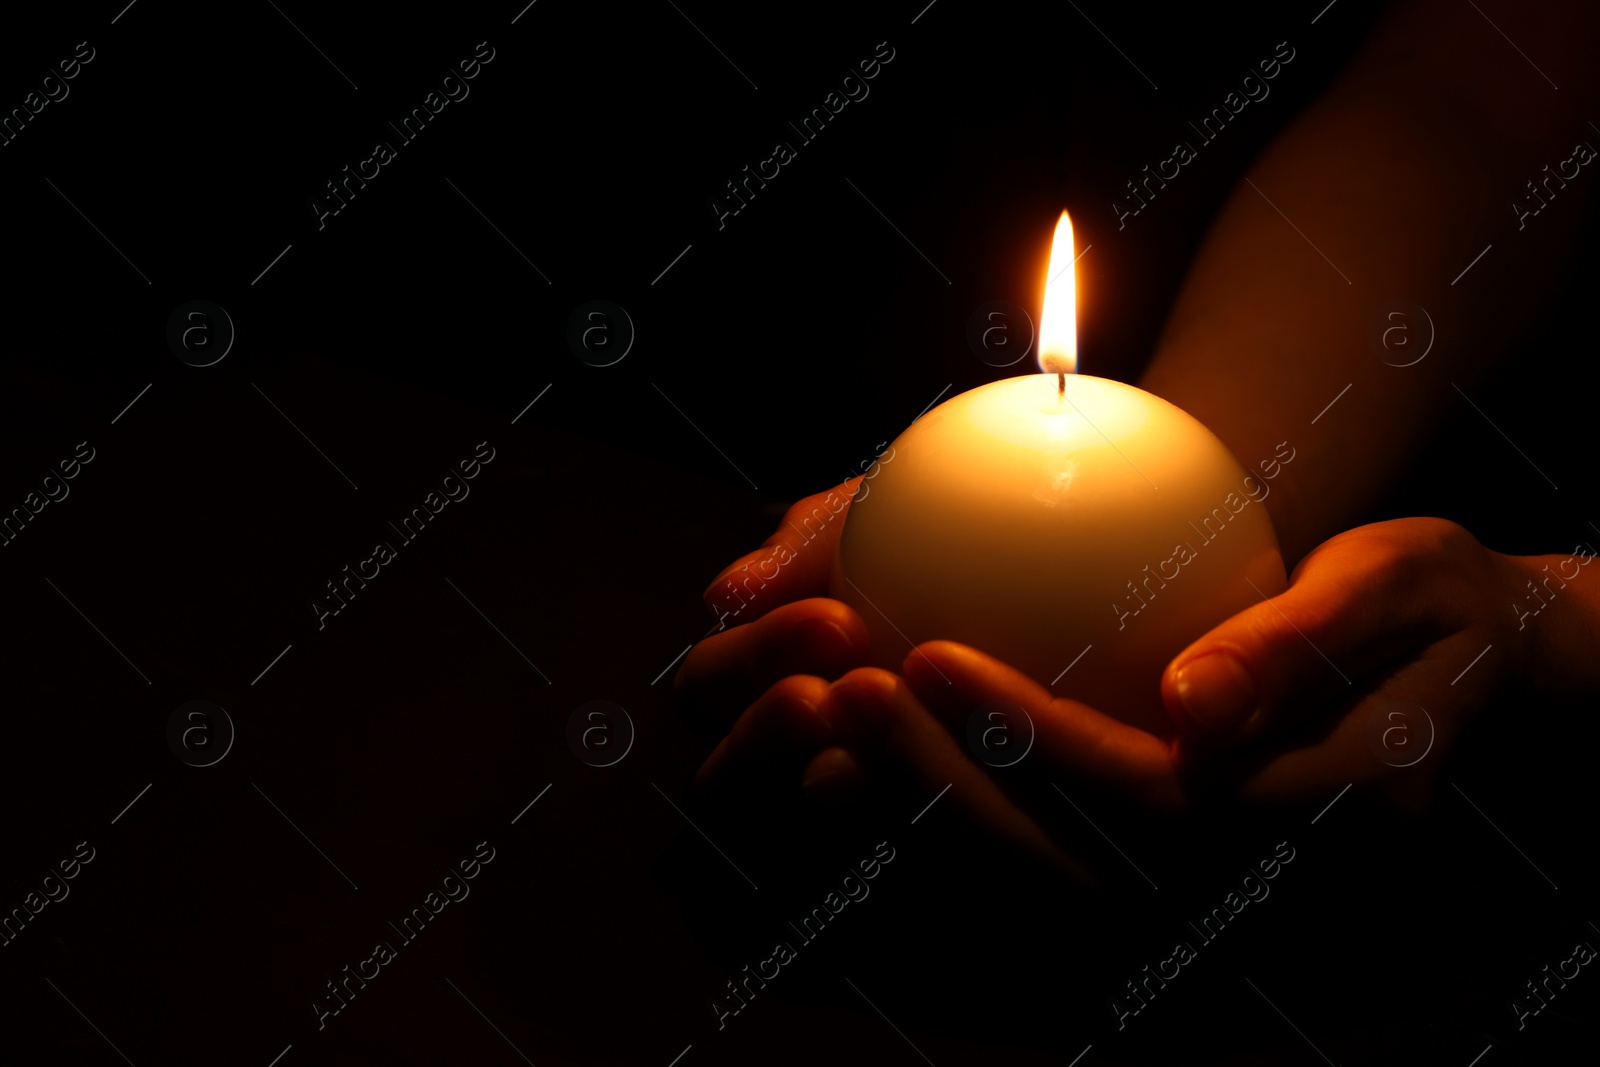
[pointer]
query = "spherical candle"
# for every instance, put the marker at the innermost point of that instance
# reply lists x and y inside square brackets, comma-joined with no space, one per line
[1059,521]
[1033,522]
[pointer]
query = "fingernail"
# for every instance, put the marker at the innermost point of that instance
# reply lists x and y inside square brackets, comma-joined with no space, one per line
[832,787]
[820,642]
[1216,691]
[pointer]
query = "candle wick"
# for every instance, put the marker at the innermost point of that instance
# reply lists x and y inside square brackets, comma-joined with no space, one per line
[1061,383]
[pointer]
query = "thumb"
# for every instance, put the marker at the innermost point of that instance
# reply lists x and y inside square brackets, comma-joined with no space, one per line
[1354,604]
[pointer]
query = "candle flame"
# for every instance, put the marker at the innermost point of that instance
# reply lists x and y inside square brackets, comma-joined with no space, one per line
[1058,323]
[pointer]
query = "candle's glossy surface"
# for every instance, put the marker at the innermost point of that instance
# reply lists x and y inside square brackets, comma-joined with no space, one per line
[1033,524]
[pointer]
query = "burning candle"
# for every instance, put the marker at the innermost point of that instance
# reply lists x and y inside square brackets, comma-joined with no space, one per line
[1080,529]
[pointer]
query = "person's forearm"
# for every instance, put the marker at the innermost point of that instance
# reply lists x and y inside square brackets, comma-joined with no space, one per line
[1384,189]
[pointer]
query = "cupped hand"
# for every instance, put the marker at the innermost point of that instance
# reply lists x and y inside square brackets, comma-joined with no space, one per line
[1389,640]
[774,620]
[779,686]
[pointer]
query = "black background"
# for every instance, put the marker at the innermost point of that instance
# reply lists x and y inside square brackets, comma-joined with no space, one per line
[809,328]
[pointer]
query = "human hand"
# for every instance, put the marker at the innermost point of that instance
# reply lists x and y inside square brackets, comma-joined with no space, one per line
[1389,640]
[774,620]
[759,685]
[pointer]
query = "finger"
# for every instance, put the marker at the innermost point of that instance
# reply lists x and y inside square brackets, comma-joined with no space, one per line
[1360,601]
[725,672]
[834,778]
[879,720]
[1070,739]
[770,745]
[795,562]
